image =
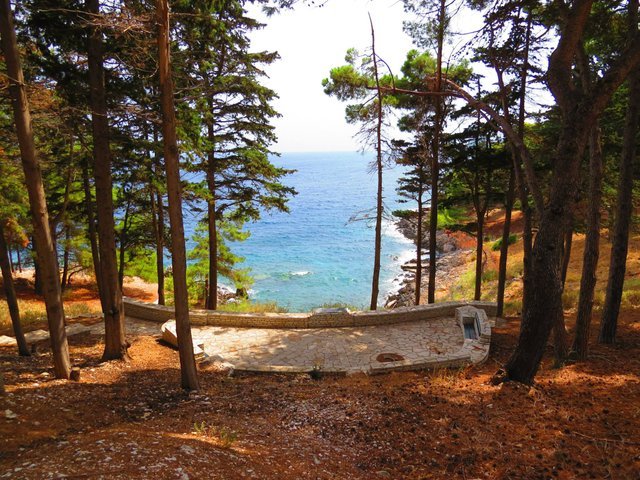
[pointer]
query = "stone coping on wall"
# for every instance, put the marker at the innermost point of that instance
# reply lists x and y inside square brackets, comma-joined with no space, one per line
[319,318]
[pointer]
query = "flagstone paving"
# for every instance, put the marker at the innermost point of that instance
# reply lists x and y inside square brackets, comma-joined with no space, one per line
[419,344]
[346,349]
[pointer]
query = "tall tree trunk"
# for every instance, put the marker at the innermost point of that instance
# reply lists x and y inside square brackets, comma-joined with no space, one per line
[479,253]
[624,205]
[527,237]
[18,248]
[93,237]
[435,158]
[160,230]
[115,342]
[566,250]
[123,242]
[378,228]
[624,208]
[212,287]
[37,200]
[544,302]
[65,258]
[156,233]
[419,246]
[560,334]
[212,284]
[591,247]
[10,292]
[504,246]
[178,257]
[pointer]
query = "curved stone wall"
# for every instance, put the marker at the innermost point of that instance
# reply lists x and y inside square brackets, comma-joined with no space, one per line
[318,319]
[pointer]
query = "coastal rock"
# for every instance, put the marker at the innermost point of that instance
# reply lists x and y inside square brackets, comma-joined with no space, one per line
[225,294]
[450,260]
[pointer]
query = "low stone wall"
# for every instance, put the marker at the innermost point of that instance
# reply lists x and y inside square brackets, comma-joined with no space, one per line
[318,319]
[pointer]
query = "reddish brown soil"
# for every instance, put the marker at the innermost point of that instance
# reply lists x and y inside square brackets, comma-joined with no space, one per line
[131,420]
[82,291]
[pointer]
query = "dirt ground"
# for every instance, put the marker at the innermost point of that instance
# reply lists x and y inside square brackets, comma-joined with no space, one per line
[131,420]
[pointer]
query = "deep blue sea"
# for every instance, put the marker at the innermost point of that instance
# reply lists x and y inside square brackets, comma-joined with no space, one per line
[314,254]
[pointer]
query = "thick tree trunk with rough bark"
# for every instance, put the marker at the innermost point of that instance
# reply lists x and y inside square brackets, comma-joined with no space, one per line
[115,342]
[10,292]
[33,178]
[591,247]
[178,252]
[544,303]
[622,222]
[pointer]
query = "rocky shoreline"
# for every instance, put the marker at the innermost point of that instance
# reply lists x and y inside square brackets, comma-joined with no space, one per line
[452,261]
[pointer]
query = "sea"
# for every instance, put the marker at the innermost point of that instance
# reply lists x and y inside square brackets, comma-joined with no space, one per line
[321,252]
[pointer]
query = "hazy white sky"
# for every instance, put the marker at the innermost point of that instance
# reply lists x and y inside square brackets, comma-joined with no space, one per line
[311,41]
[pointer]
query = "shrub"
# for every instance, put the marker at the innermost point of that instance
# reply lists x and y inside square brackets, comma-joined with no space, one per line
[497,245]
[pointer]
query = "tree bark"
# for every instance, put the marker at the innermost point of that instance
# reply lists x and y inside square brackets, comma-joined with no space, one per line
[12,299]
[479,254]
[178,258]
[566,250]
[123,240]
[591,247]
[160,225]
[622,222]
[378,227]
[212,287]
[419,245]
[37,271]
[93,238]
[156,231]
[435,159]
[504,247]
[33,178]
[544,302]
[65,258]
[115,342]
[212,284]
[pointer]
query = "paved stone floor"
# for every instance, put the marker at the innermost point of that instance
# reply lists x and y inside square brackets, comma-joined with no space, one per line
[347,349]
[425,343]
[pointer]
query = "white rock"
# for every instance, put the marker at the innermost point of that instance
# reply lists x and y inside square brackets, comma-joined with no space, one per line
[7,341]
[9,414]
[187,449]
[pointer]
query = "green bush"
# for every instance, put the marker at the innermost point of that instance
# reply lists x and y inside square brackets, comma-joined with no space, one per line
[142,263]
[497,245]
[452,217]
[247,306]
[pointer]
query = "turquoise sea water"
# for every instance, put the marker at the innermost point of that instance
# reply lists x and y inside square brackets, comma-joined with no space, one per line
[315,255]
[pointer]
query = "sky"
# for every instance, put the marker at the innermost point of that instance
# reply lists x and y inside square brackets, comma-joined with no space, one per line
[311,40]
